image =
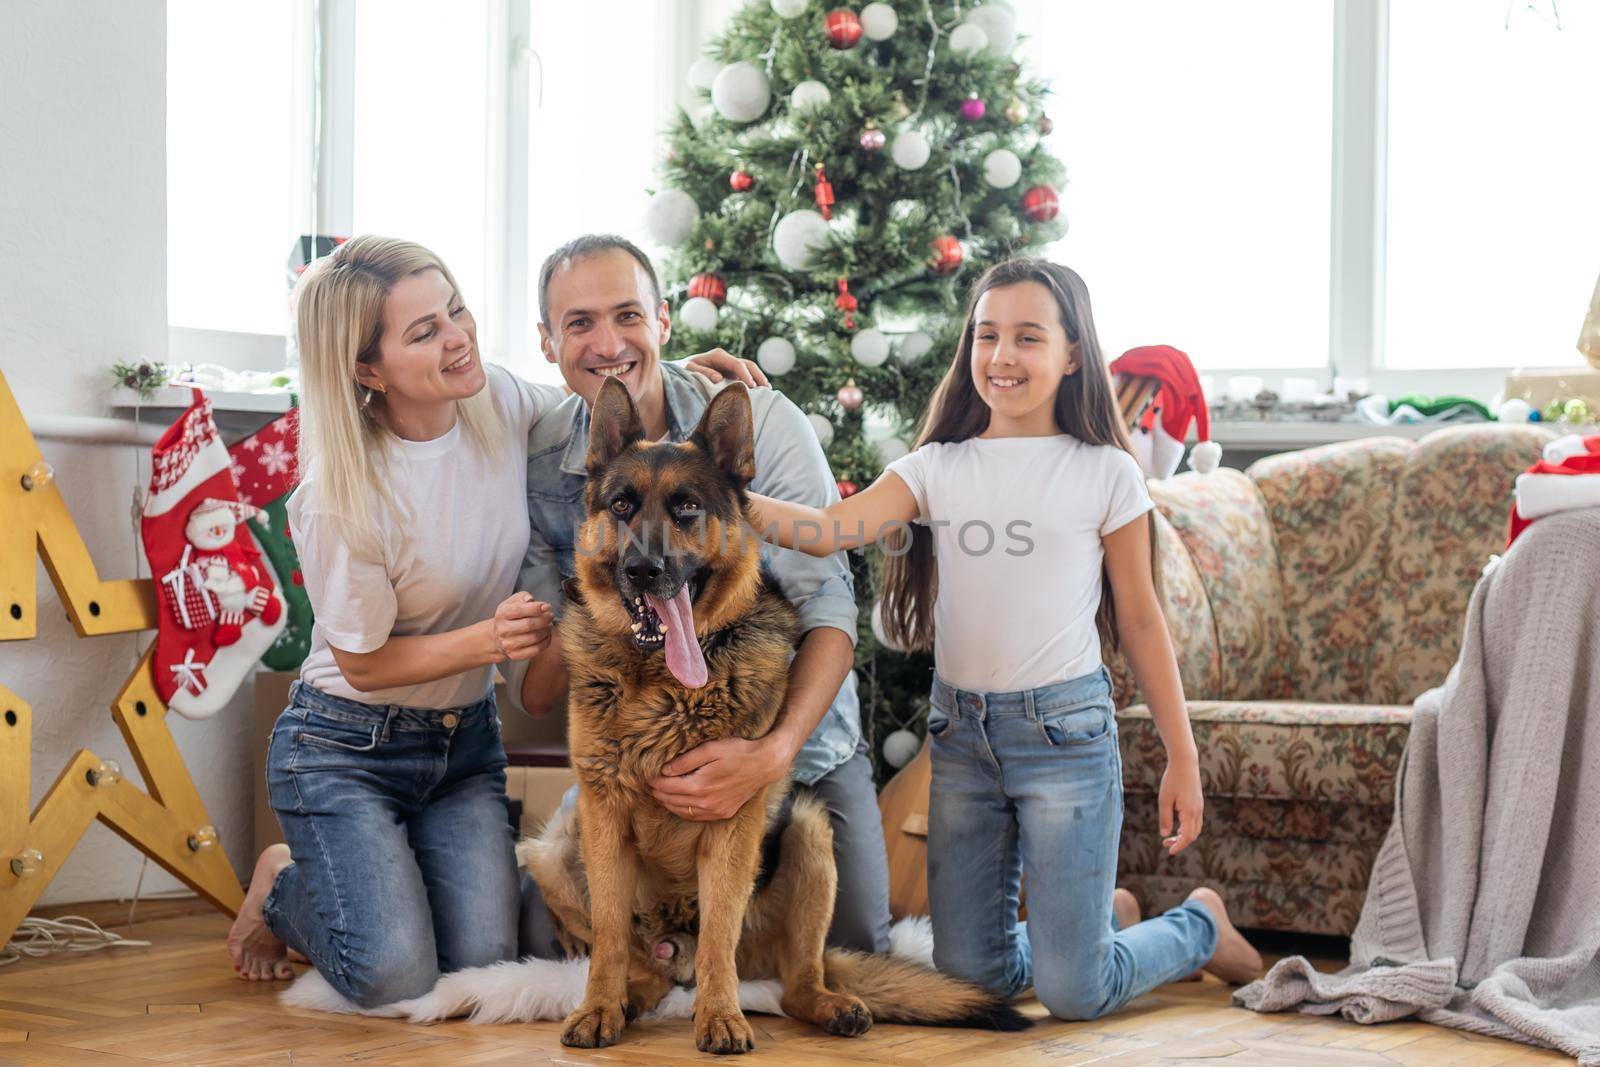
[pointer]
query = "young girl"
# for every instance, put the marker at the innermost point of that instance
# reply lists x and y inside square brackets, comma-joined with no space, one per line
[387,771]
[1029,499]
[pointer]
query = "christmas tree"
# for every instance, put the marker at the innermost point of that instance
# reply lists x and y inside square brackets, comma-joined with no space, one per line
[847,176]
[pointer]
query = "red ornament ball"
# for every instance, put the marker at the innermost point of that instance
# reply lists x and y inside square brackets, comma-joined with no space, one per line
[843,28]
[710,286]
[947,255]
[850,396]
[740,181]
[1040,204]
[847,488]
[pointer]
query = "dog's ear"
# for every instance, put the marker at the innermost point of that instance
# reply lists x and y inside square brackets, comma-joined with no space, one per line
[614,425]
[727,433]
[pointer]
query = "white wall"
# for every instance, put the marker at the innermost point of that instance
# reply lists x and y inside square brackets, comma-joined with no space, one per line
[83,284]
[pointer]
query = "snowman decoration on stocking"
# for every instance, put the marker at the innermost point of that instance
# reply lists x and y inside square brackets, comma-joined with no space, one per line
[220,608]
[229,570]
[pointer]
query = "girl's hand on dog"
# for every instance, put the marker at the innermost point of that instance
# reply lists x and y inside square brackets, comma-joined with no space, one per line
[520,628]
[1181,804]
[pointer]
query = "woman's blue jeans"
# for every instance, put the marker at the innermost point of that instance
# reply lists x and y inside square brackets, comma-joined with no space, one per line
[396,819]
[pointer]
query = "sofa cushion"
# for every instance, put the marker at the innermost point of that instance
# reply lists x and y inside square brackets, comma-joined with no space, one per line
[1286,750]
[1188,612]
[1453,498]
[1223,524]
[1332,509]
[1321,822]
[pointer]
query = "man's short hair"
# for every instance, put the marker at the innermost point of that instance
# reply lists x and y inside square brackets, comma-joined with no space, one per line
[587,245]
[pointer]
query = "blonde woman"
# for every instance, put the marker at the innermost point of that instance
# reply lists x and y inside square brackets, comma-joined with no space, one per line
[386,770]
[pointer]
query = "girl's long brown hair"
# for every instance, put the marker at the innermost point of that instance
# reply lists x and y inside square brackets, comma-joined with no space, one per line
[1086,407]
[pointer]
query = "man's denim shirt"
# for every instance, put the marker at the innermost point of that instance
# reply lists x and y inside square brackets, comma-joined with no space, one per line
[789,466]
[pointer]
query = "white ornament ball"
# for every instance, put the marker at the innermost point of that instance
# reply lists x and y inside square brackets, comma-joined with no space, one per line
[823,428]
[1001,168]
[776,356]
[910,150]
[869,348]
[891,449]
[703,72]
[878,21]
[914,346]
[968,39]
[879,633]
[740,92]
[798,235]
[999,24]
[900,747]
[808,95]
[789,9]
[698,313]
[1514,410]
[671,216]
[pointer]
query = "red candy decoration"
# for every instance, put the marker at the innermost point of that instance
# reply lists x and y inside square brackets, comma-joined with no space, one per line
[710,286]
[843,28]
[824,193]
[846,302]
[1040,204]
[947,255]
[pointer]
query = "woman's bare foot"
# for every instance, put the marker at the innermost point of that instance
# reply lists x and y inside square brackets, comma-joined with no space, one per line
[1125,906]
[1235,961]
[257,955]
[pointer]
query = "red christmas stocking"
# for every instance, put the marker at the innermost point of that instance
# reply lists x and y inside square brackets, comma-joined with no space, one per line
[219,609]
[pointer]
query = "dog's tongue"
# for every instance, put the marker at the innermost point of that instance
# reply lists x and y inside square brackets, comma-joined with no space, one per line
[684,660]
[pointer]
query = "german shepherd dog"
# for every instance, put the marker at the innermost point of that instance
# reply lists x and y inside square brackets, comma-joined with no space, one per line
[674,636]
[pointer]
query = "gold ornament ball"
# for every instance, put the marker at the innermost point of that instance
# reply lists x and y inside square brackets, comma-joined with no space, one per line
[1016,112]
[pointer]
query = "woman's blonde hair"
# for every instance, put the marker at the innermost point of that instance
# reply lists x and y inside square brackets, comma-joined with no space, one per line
[339,315]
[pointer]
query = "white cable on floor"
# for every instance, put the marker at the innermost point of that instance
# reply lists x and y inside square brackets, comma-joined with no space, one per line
[70,933]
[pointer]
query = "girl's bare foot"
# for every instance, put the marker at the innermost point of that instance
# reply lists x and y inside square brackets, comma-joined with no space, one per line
[257,955]
[1125,906]
[1235,961]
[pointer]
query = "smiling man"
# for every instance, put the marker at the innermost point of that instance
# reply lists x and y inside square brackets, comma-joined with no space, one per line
[602,316]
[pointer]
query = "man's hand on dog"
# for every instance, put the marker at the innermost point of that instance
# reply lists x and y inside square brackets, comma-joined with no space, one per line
[714,780]
[520,628]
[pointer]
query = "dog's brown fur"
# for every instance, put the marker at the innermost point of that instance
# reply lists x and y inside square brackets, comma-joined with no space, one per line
[646,875]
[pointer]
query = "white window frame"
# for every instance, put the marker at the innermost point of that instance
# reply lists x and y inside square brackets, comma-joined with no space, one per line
[326,158]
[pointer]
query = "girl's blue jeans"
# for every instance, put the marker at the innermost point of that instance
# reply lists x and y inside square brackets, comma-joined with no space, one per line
[1030,783]
[396,819]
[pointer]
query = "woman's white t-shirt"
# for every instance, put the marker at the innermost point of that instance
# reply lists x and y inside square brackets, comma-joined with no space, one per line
[1017,523]
[449,556]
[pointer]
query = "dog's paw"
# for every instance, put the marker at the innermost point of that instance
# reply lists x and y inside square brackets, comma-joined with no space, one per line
[725,1033]
[844,1016]
[594,1026]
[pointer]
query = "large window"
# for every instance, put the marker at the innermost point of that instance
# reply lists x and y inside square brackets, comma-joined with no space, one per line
[1494,163]
[230,163]
[1196,143]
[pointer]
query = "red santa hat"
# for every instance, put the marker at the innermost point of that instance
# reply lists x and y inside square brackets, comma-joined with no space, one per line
[1162,430]
[1567,477]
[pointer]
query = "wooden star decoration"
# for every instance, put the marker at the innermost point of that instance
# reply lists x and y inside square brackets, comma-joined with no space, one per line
[169,822]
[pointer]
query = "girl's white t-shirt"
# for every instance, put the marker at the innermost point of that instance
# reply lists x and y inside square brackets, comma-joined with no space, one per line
[1017,523]
[449,556]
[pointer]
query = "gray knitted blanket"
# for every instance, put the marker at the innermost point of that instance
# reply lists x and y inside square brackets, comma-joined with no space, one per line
[1483,912]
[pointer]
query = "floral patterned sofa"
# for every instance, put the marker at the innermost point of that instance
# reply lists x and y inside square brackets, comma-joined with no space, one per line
[1311,599]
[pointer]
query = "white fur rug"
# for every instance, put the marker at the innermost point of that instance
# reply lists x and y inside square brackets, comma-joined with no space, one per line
[532,990]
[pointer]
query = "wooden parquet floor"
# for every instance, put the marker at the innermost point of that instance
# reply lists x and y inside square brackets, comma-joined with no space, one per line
[178,1002]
